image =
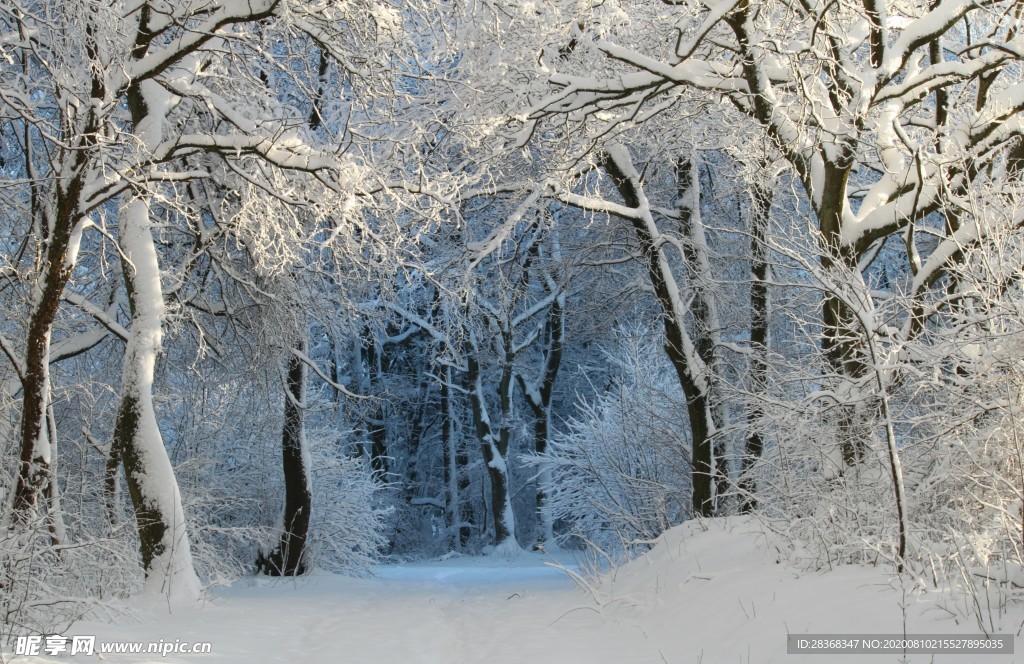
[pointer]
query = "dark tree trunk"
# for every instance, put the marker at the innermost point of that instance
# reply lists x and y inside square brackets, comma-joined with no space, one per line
[702,307]
[376,424]
[841,339]
[453,472]
[414,440]
[54,228]
[697,403]
[829,196]
[34,461]
[540,400]
[316,117]
[34,466]
[458,519]
[494,441]
[151,520]
[288,558]
[111,492]
[467,517]
[759,303]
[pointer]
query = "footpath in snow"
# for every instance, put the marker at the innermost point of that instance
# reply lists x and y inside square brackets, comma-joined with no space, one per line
[711,594]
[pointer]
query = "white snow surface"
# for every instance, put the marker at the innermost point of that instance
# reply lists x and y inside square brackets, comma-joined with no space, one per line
[712,592]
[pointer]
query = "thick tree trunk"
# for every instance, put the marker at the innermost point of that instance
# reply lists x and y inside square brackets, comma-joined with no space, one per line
[827,191]
[288,558]
[34,468]
[58,229]
[36,455]
[841,338]
[163,535]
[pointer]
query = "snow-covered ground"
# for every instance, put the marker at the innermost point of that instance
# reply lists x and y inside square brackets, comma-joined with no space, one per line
[711,593]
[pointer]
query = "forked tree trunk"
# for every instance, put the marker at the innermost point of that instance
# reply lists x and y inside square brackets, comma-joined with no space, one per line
[827,190]
[494,440]
[678,344]
[841,342]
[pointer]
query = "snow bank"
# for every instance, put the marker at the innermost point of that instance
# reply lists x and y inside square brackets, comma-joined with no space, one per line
[714,592]
[721,590]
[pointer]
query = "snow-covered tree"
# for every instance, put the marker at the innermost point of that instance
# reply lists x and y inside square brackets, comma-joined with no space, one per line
[150,113]
[620,471]
[886,111]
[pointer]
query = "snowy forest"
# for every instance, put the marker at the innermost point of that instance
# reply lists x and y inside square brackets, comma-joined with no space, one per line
[297,285]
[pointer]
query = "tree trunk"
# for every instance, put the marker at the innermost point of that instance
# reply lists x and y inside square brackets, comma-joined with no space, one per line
[111,486]
[841,340]
[703,309]
[678,345]
[376,425]
[419,424]
[494,445]
[163,537]
[453,471]
[34,467]
[55,514]
[288,558]
[36,455]
[539,399]
[58,229]
[759,303]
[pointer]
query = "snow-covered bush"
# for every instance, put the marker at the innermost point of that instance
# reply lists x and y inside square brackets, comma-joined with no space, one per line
[950,396]
[620,469]
[233,499]
[45,585]
[224,528]
[348,527]
[831,514]
[74,562]
[967,424]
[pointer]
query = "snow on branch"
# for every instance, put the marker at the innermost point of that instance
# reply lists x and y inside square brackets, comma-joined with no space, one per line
[493,243]
[78,344]
[105,318]
[218,16]
[419,322]
[308,361]
[8,350]
[922,30]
